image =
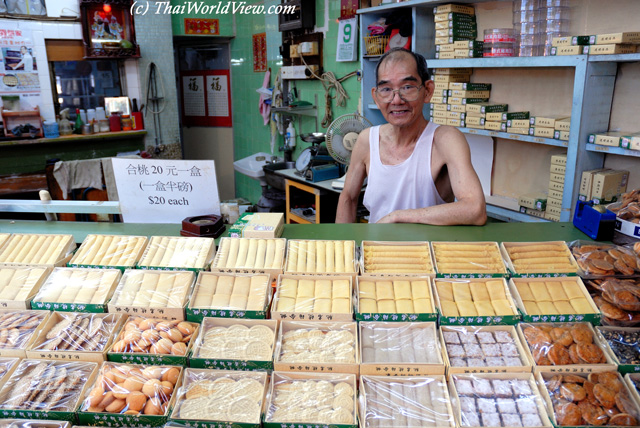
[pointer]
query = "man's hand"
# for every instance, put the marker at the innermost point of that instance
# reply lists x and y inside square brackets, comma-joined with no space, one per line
[389,218]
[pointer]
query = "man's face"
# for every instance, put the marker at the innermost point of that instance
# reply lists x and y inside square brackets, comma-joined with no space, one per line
[394,74]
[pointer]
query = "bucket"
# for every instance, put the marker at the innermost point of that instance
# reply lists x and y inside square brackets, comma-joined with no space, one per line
[50,128]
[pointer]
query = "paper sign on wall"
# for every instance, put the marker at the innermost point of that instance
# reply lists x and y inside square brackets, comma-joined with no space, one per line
[165,191]
[347,36]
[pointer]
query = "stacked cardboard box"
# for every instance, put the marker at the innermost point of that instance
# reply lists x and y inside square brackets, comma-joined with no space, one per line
[456,31]
[562,127]
[556,187]
[534,204]
[545,126]
[626,140]
[603,186]
[600,44]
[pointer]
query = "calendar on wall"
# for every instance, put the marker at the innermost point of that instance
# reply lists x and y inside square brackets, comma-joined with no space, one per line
[206,98]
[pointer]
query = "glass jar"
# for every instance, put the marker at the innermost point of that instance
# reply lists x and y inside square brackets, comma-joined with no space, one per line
[127,124]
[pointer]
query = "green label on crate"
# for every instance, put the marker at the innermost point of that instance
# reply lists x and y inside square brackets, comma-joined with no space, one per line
[471,275]
[118,420]
[156,360]
[219,364]
[629,368]
[37,414]
[69,307]
[395,317]
[121,268]
[591,318]
[165,268]
[214,424]
[304,425]
[542,275]
[477,320]
[196,315]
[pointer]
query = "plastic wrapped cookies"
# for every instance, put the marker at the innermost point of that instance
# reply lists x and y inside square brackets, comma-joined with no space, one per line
[79,286]
[36,249]
[401,343]
[132,389]
[6,366]
[46,385]
[178,252]
[554,296]
[471,298]
[315,295]
[540,257]
[317,256]
[396,257]
[75,332]
[17,329]
[229,396]
[109,250]
[227,339]
[233,292]
[468,257]
[312,398]
[405,402]
[317,342]
[490,346]
[152,289]
[499,400]
[19,284]
[249,254]
[154,336]
[395,295]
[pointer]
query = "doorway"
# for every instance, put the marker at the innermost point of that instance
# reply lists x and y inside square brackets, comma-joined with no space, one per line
[206,132]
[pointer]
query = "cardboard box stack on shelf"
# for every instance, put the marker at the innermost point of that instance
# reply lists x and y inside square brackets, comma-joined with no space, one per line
[534,204]
[626,140]
[456,32]
[600,44]
[545,126]
[556,187]
[603,186]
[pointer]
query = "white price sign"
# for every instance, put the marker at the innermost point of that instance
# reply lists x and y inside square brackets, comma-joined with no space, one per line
[347,36]
[165,191]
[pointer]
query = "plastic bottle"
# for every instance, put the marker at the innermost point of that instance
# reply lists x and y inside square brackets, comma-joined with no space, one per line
[65,125]
[78,125]
[291,136]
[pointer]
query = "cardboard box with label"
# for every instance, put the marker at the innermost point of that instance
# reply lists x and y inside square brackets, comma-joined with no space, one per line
[609,185]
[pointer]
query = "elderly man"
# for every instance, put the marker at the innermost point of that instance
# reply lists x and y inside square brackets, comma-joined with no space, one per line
[418,172]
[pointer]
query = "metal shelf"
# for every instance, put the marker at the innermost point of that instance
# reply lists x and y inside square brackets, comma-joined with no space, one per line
[297,111]
[615,58]
[613,150]
[507,209]
[373,106]
[517,137]
[532,61]
[409,3]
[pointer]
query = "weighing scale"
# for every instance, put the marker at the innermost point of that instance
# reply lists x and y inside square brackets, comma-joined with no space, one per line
[314,163]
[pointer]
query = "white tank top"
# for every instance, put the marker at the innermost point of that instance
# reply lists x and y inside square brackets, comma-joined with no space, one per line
[404,186]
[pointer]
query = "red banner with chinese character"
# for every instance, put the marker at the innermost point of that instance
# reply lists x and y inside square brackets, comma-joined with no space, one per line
[201,26]
[260,52]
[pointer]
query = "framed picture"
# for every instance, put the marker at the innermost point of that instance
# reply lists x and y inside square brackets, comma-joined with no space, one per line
[108,30]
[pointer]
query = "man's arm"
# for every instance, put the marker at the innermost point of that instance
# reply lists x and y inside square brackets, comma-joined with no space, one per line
[348,202]
[469,207]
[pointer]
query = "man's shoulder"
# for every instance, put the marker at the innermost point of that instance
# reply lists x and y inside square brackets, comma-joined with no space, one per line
[449,136]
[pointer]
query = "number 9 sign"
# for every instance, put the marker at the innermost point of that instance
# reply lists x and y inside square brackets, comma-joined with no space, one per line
[347,47]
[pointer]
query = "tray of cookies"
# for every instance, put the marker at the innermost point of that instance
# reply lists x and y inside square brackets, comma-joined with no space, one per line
[632,380]
[484,349]
[599,260]
[405,402]
[317,347]
[18,331]
[306,298]
[155,294]
[46,389]
[130,395]
[400,349]
[468,260]
[31,423]
[618,300]
[7,366]
[250,255]
[153,341]
[397,258]
[228,295]
[178,253]
[234,344]
[593,399]
[564,347]
[539,259]
[623,346]
[77,290]
[116,251]
[497,400]
[210,397]
[475,302]
[75,337]
[37,249]
[553,300]
[395,299]
[321,256]
[311,398]
[19,285]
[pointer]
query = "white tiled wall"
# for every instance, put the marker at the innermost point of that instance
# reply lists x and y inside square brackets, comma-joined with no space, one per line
[40,31]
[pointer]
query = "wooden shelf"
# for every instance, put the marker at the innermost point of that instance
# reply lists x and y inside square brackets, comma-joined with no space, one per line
[612,150]
[76,138]
[507,209]
[517,137]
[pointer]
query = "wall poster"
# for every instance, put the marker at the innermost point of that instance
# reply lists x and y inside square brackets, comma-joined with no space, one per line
[19,68]
[206,98]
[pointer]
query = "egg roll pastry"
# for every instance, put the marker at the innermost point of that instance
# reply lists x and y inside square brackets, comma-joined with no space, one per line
[153,289]
[412,258]
[109,250]
[17,283]
[468,257]
[36,249]
[4,237]
[176,252]
[549,257]
[248,254]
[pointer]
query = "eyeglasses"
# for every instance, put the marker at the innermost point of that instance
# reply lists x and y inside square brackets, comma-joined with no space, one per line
[406,92]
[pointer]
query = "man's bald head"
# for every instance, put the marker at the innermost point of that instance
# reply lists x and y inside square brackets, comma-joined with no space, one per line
[401,54]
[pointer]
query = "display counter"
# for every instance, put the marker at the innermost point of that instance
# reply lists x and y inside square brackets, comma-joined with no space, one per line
[509,232]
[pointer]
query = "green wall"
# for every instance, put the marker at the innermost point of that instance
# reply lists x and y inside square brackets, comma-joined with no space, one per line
[177,19]
[250,135]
